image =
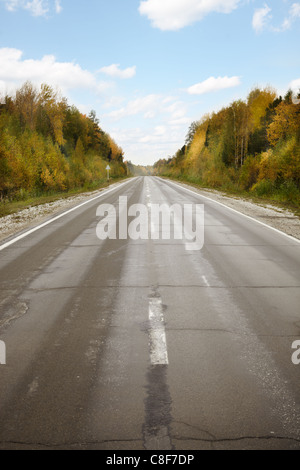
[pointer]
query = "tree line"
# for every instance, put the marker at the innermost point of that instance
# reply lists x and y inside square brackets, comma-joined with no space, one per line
[139,170]
[48,145]
[251,145]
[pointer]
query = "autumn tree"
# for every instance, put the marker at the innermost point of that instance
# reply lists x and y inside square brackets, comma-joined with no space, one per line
[252,145]
[45,144]
[191,132]
[261,104]
[52,112]
[286,122]
[26,104]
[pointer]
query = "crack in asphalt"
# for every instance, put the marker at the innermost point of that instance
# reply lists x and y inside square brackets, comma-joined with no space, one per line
[212,440]
[69,444]
[197,428]
[169,286]
[237,439]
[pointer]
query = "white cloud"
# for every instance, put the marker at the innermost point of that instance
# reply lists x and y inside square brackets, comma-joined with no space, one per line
[295,10]
[147,145]
[213,84]
[35,7]
[178,123]
[164,123]
[58,6]
[12,5]
[261,18]
[14,71]
[176,110]
[150,107]
[295,85]
[172,15]
[113,102]
[160,131]
[294,14]
[146,105]
[115,71]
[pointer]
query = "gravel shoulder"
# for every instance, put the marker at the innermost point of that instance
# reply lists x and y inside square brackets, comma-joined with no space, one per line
[277,217]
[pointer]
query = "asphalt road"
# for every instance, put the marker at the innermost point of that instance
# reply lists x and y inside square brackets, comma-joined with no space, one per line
[123,344]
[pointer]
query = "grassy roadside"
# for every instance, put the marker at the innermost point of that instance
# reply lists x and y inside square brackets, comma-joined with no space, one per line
[12,207]
[238,194]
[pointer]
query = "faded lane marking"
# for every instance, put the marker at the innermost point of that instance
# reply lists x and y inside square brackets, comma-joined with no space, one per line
[157,333]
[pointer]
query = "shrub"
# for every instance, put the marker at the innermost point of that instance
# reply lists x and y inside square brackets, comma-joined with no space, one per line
[264,188]
[289,191]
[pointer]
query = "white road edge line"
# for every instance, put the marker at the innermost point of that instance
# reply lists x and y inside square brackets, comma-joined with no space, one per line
[35,229]
[234,210]
[157,334]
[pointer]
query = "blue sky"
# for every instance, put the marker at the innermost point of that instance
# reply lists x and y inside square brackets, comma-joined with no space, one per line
[149,68]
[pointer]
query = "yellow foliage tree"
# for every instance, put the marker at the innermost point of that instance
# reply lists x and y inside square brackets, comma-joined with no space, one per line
[258,102]
[285,123]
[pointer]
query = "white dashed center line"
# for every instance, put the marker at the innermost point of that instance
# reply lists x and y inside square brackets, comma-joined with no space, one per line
[157,333]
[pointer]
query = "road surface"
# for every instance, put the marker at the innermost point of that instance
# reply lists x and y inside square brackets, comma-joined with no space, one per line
[123,344]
